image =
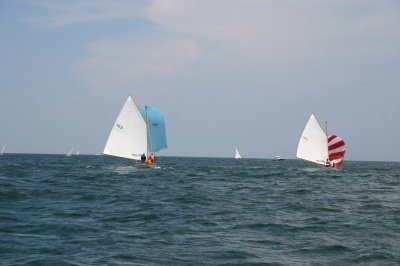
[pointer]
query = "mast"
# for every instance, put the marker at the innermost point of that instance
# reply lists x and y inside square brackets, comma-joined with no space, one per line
[326,132]
[326,128]
[147,133]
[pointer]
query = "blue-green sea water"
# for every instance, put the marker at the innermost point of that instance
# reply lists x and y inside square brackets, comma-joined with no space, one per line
[98,210]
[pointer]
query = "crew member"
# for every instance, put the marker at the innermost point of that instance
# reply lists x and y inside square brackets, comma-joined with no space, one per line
[143,158]
[151,160]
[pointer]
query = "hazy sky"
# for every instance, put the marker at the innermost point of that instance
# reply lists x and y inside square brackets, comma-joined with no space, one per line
[225,73]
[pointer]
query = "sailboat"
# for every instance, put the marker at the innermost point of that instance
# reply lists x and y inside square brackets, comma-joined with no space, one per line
[317,146]
[70,152]
[237,154]
[2,150]
[278,158]
[136,131]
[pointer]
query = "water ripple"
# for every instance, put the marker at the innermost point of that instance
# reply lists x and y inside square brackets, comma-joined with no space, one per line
[98,210]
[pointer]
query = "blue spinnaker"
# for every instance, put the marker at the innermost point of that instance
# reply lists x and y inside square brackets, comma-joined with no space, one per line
[156,128]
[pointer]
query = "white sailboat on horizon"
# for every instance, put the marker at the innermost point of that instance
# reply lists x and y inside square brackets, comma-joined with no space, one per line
[70,152]
[2,150]
[278,158]
[237,154]
[316,146]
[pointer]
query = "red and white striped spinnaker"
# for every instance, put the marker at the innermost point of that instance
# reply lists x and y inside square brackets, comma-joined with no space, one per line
[336,151]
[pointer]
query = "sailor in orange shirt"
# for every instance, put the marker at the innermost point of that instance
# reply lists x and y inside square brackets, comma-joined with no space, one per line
[151,160]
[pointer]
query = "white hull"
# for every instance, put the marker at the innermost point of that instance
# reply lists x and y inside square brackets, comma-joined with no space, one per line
[278,158]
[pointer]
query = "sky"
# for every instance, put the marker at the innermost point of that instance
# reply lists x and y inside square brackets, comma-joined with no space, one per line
[225,73]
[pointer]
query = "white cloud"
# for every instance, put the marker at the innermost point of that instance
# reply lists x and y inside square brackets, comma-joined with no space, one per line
[119,63]
[271,27]
[65,13]
[234,37]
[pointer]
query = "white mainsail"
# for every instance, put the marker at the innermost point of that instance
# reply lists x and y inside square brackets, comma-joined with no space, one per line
[2,150]
[237,154]
[128,137]
[313,144]
[70,152]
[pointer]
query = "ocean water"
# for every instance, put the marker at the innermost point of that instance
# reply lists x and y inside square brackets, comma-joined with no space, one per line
[98,210]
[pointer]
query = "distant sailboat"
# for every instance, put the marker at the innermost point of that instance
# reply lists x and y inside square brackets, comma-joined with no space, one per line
[2,150]
[278,158]
[316,146]
[70,152]
[237,154]
[136,131]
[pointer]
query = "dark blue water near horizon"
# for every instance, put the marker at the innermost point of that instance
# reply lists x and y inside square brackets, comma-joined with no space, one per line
[99,210]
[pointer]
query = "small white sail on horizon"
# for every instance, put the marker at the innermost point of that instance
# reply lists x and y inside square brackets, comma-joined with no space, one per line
[237,154]
[70,152]
[316,146]
[278,158]
[2,150]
